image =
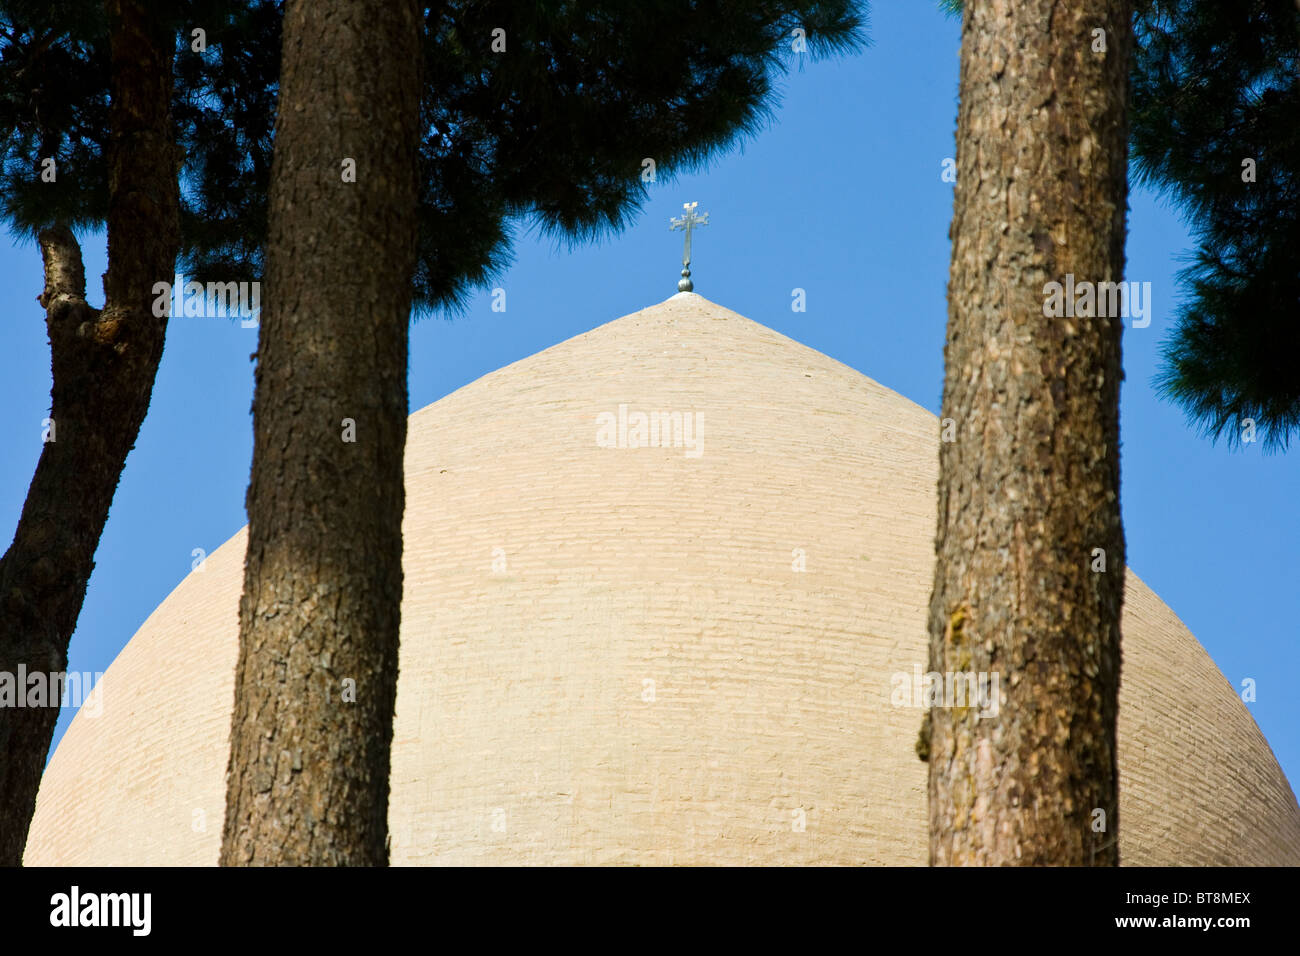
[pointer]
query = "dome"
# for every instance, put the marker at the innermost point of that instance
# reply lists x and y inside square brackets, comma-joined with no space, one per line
[676,651]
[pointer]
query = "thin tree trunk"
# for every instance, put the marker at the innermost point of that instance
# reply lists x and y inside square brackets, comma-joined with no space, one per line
[1030,486]
[103,364]
[317,674]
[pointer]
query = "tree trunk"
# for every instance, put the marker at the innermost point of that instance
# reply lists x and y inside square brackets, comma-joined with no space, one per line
[317,674]
[103,365]
[1030,487]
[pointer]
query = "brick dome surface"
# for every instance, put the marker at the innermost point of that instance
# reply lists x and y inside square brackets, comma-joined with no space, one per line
[609,657]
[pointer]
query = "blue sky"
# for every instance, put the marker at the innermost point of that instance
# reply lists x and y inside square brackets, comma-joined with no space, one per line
[842,196]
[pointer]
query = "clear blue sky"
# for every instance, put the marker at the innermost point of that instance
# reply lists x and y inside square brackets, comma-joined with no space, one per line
[842,197]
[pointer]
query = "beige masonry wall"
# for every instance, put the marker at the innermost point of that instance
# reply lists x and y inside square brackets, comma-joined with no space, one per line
[644,677]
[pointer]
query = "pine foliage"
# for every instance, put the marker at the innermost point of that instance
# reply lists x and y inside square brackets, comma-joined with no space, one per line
[550,131]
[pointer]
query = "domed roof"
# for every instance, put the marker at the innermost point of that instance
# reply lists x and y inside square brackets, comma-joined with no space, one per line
[611,654]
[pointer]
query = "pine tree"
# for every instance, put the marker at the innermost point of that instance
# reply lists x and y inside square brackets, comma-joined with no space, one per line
[1214,93]
[103,360]
[1029,491]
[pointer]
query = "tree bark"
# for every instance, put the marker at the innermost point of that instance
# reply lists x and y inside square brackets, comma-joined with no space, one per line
[309,761]
[1030,486]
[103,364]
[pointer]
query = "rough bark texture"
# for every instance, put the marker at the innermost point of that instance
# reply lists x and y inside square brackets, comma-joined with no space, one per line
[1030,486]
[308,776]
[104,364]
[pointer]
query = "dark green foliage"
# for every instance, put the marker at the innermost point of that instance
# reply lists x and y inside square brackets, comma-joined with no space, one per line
[1215,83]
[552,131]
[53,104]
[224,111]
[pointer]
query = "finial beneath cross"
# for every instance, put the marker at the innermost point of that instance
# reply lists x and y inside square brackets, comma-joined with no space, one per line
[688,221]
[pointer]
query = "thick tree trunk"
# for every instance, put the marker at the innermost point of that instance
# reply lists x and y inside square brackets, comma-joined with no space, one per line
[317,674]
[1030,486]
[103,366]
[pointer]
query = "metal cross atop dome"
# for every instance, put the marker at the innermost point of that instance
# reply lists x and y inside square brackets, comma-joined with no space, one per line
[687,221]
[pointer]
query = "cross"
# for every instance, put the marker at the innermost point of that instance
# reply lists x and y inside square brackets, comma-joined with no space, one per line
[687,221]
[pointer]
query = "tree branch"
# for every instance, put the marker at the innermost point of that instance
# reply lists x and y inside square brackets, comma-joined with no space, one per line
[65,276]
